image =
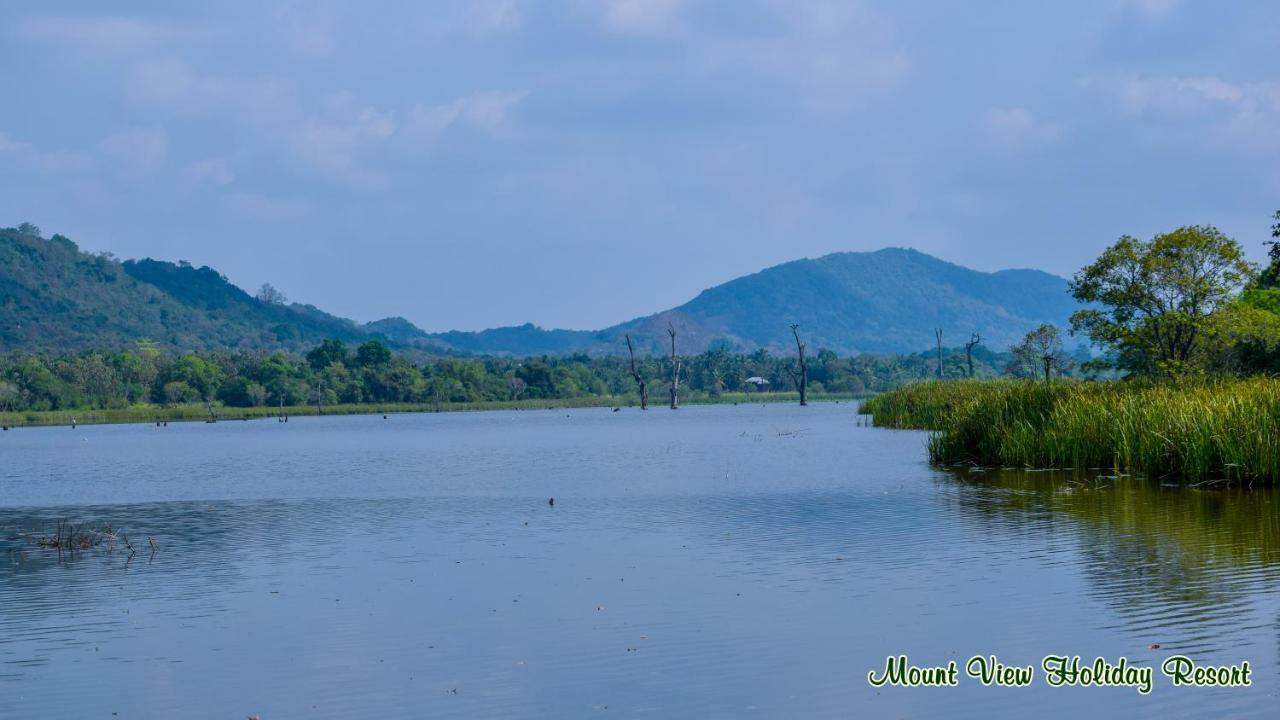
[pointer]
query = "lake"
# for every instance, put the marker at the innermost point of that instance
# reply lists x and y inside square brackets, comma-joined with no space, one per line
[715,562]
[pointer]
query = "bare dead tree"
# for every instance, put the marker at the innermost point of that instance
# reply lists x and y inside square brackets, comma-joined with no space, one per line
[635,373]
[938,333]
[800,376]
[974,340]
[675,369]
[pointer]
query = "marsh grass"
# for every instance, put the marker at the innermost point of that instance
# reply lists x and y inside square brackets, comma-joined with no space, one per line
[200,412]
[1201,432]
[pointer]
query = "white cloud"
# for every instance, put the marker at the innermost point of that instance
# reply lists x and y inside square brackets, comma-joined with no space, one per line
[212,171]
[1242,114]
[1154,9]
[335,146]
[485,111]
[831,53]
[98,34]
[136,151]
[1016,126]
[1176,94]
[494,15]
[173,85]
[642,17]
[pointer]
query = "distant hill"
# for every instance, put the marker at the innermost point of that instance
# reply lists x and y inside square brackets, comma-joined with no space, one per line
[55,297]
[887,301]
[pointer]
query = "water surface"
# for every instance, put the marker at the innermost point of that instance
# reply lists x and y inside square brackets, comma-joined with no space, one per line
[721,561]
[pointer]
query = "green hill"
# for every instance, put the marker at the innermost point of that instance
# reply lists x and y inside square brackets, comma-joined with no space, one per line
[55,297]
[887,301]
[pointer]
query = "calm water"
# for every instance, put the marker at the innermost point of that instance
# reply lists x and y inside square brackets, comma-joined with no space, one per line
[714,562]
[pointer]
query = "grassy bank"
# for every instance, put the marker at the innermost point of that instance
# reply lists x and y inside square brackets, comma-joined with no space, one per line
[195,412]
[1206,431]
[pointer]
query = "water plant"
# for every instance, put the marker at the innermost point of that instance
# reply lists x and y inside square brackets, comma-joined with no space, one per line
[1201,431]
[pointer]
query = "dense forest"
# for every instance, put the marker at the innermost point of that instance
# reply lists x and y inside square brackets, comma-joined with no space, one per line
[333,372]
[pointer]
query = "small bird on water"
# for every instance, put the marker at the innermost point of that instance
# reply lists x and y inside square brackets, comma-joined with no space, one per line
[552,502]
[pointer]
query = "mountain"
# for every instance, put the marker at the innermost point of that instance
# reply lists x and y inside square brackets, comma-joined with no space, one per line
[887,301]
[55,297]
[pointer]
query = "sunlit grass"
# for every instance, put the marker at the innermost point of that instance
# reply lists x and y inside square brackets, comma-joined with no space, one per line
[1201,431]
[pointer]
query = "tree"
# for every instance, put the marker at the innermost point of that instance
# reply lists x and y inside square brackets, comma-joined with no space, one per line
[9,396]
[326,353]
[178,392]
[31,229]
[256,393]
[974,340]
[372,354]
[675,369]
[1042,349]
[937,333]
[198,373]
[800,375]
[271,296]
[1270,277]
[1156,297]
[644,389]
[1243,338]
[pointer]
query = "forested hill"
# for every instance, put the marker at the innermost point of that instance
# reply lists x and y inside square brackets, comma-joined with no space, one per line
[55,297]
[887,301]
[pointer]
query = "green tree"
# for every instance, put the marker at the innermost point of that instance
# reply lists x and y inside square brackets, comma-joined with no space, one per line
[1156,297]
[177,392]
[1270,277]
[326,353]
[204,376]
[372,354]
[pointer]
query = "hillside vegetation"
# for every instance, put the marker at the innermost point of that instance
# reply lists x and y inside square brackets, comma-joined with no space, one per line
[888,301]
[53,297]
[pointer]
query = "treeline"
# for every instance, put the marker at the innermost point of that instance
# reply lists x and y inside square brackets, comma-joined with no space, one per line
[335,373]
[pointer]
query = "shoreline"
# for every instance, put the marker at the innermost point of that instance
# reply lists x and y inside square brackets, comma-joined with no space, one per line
[143,414]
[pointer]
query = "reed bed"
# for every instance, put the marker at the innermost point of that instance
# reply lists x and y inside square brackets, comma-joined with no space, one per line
[1201,432]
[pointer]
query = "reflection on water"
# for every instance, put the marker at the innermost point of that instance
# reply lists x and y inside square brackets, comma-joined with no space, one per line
[716,562]
[1182,563]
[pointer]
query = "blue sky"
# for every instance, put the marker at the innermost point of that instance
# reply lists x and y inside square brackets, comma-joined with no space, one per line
[575,164]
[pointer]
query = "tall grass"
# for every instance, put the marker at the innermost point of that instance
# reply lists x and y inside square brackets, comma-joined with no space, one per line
[200,412]
[1203,431]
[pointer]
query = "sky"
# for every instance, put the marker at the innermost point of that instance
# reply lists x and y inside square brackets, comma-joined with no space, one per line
[579,163]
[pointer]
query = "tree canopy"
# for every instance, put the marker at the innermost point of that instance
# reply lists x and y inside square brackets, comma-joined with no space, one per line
[1152,300]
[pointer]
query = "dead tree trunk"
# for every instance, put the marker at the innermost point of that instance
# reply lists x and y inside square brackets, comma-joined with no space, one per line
[974,339]
[635,373]
[938,333]
[1048,365]
[675,370]
[801,376]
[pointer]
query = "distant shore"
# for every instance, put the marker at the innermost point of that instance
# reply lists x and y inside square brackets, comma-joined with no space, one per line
[200,413]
